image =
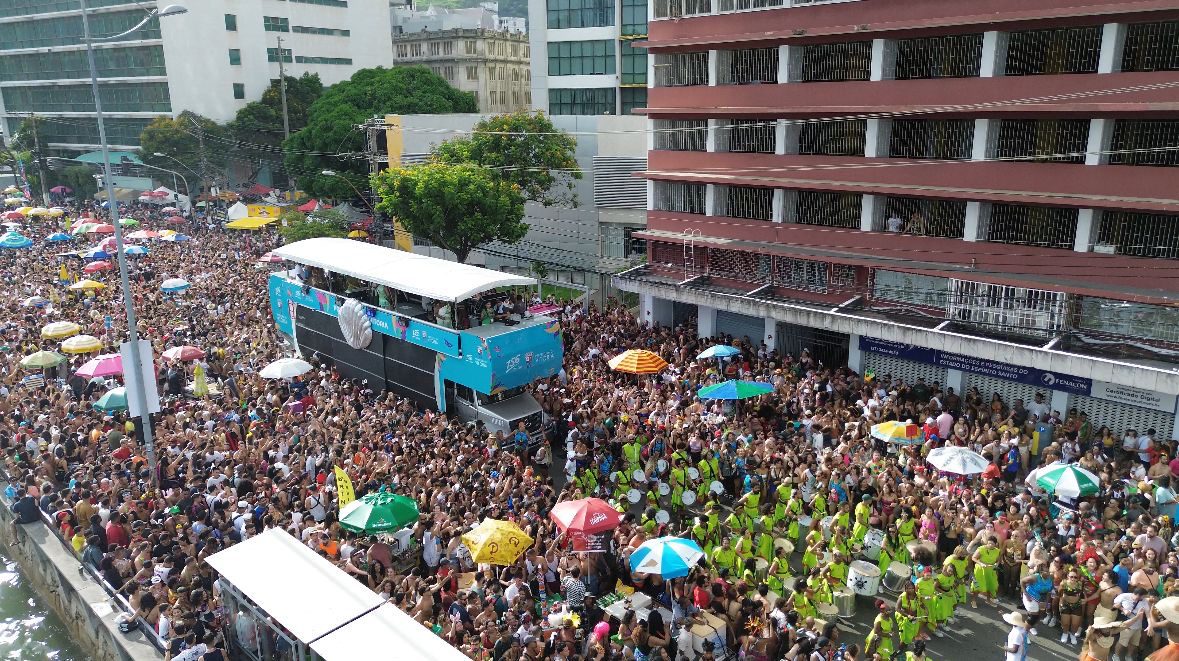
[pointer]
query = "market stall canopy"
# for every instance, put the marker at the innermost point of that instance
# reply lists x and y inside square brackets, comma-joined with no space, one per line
[437,279]
[386,628]
[238,210]
[262,567]
[249,223]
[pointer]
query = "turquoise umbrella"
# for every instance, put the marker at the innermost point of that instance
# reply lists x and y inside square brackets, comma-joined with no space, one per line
[735,389]
[15,240]
[115,399]
[718,351]
[59,236]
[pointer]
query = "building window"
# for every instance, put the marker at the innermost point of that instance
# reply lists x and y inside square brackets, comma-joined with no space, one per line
[116,97]
[573,58]
[435,48]
[1152,47]
[402,50]
[634,64]
[1064,50]
[276,24]
[239,91]
[325,3]
[634,18]
[308,59]
[837,62]
[955,56]
[586,101]
[580,13]
[1139,142]
[448,48]
[119,62]
[327,32]
[231,22]
[272,55]
[415,50]
[67,30]
[932,138]
[448,73]
[473,73]
[235,56]
[680,135]
[472,47]
[844,137]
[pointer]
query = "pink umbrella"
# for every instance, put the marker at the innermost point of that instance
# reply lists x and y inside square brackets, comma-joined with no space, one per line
[155,193]
[107,244]
[270,258]
[169,210]
[104,228]
[184,353]
[175,220]
[108,364]
[95,267]
[143,234]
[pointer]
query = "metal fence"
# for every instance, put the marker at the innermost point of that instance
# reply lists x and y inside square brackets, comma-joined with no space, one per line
[680,196]
[932,138]
[1151,47]
[681,69]
[836,138]
[1147,142]
[803,274]
[1060,140]
[678,8]
[951,56]
[1016,310]
[835,62]
[739,265]
[924,217]
[745,202]
[681,135]
[750,66]
[1064,50]
[828,209]
[725,6]
[1050,227]
[1139,234]
[753,136]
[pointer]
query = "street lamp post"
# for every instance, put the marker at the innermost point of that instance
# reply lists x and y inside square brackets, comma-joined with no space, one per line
[139,391]
[187,190]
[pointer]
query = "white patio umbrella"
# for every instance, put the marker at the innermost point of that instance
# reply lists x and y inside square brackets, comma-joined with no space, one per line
[285,368]
[960,461]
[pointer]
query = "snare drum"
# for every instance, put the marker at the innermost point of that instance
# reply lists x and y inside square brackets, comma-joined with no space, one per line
[845,602]
[638,476]
[664,488]
[804,523]
[863,578]
[896,577]
[661,466]
[634,495]
[873,542]
[689,498]
[784,544]
[828,613]
[693,473]
[662,517]
[763,568]
[825,524]
[716,487]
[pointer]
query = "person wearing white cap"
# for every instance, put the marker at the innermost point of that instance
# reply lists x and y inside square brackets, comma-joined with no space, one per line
[1168,609]
[1017,639]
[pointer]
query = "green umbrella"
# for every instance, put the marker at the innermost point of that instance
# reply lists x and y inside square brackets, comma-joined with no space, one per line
[42,360]
[128,222]
[378,512]
[115,399]
[1069,481]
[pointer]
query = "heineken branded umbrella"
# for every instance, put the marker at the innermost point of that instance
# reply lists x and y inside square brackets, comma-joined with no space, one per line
[379,512]
[1069,481]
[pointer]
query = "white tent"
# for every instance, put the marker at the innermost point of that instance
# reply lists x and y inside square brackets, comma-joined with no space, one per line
[238,210]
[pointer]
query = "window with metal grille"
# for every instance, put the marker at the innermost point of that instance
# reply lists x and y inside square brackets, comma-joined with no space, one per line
[677,8]
[1051,227]
[1145,142]
[681,69]
[829,209]
[582,101]
[924,290]
[931,138]
[1136,320]
[725,6]
[681,135]
[747,67]
[680,196]
[634,63]
[1061,140]
[580,13]
[739,265]
[632,98]
[1151,47]
[745,202]
[746,136]
[800,274]
[1064,50]
[575,58]
[1002,309]
[634,18]
[843,276]
[835,138]
[924,217]
[671,254]
[834,62]
[1133,233]
[951,56]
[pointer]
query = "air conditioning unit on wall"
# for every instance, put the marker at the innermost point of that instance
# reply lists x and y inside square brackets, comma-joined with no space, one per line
[1105,248]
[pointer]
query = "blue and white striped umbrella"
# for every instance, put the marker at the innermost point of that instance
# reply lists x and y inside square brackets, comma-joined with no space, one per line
[669,557]
[718,351]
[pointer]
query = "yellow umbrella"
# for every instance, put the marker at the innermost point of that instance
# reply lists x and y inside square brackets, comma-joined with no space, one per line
[59,330]
[251,223]
[24,211]
[81,344]
[497,542]
[200,385]
[55,212]
[357,234]
[42,360]
[167,232]
[637,361]
[87,284]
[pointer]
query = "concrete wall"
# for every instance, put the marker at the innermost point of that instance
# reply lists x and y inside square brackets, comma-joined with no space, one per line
[52,571]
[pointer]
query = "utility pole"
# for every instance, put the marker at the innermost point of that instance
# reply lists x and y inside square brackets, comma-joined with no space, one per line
[204,162]
[39,157]
[282,93]
[372,152]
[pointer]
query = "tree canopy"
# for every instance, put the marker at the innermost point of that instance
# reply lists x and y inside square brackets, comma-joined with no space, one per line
[179,138]
[525,149]
[257,127]
[332,119]
[457,207]
[296,226]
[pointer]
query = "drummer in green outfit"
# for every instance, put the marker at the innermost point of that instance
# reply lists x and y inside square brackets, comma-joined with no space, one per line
[882,639]
[888,549]
[863,513]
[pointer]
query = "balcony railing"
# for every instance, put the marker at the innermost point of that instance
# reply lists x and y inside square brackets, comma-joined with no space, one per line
[751,136]
[681,69]
[681,135]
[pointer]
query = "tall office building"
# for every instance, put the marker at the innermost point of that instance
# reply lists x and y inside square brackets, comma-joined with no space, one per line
[983,199]
[583,59]
[213,60]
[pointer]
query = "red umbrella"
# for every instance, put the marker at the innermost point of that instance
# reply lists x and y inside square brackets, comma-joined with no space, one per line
[309,206]
[270,258]
[95,267]
[108,244]
[587,516]
[175,220]
[104,228]
[155,193]
[12,215]
[184,353]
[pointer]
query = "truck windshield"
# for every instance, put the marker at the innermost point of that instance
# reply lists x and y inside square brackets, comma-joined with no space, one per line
[500,396]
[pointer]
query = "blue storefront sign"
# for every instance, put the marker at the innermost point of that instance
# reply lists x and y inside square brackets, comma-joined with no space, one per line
[1077,385]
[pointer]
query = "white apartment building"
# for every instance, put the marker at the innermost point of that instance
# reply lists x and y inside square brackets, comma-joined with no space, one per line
[213,60]
[583,62]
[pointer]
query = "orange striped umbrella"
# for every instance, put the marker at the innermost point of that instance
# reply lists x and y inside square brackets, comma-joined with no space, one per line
[637,361]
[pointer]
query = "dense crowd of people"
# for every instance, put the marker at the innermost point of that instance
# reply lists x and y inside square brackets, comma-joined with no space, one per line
[783,492]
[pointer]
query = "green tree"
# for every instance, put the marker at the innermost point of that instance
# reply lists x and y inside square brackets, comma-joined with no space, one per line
[525,149]
[79,178]
[257,127]
[296,225]
[331,140]
[180,138]
[457,207]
